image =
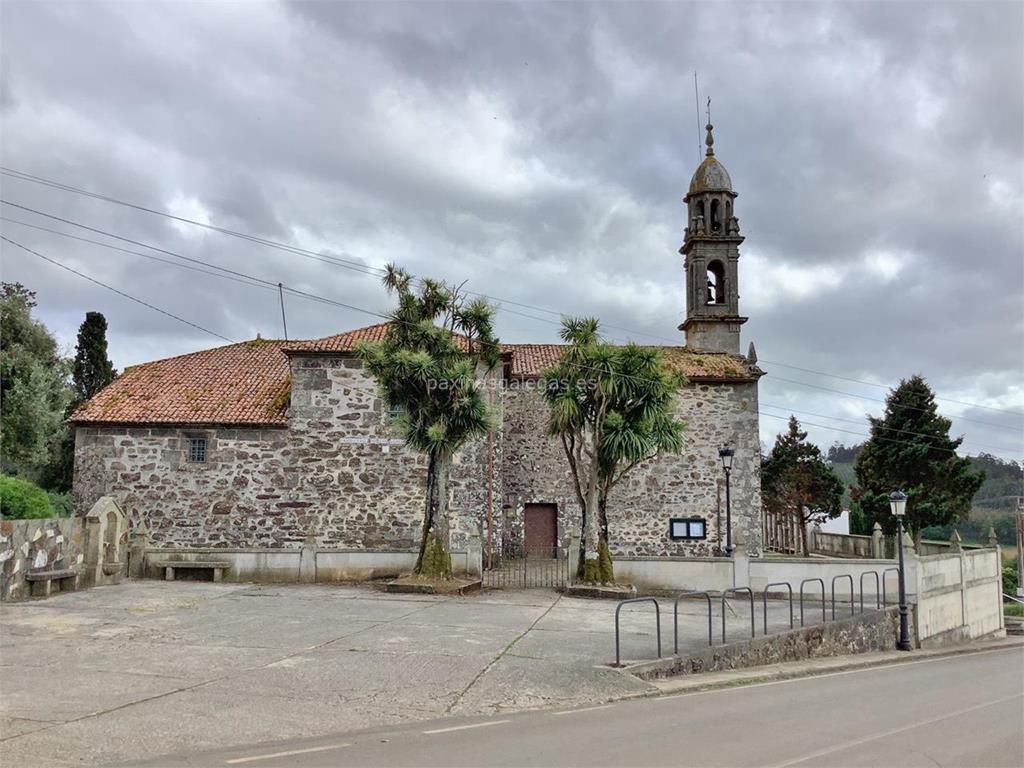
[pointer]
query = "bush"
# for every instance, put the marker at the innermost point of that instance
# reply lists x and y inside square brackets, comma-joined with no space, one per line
[21,499]
[61,503]
[1010,580]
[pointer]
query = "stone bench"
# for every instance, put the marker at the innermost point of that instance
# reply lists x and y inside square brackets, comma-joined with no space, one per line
[41,582]
[170,566]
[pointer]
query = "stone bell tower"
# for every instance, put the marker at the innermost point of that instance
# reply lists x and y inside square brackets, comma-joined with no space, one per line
[711,255]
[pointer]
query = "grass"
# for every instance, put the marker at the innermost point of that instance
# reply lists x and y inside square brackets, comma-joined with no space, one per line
[1013,609]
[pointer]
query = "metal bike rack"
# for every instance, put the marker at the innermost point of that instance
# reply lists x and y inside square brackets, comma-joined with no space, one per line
[808,581]
[764,600]
[878,589]
[888,570]
[675,618]
[657,614]
[834,578]
[733,591]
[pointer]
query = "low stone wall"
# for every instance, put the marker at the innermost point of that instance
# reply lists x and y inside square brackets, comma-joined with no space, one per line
[959,596]
[308,565]
[766,570]
[37,545]
[675,573]
[874,631]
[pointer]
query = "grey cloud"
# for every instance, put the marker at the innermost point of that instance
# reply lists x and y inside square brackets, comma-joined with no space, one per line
[542,151]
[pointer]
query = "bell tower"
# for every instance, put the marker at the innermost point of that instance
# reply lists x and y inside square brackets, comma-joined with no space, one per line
[711,256]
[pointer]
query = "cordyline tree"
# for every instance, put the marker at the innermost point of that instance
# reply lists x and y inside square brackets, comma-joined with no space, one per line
[910,450]
[436,343]
[612,409]
[796,481]
[91,372]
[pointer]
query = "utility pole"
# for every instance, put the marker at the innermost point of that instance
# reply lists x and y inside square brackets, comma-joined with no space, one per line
[284,321]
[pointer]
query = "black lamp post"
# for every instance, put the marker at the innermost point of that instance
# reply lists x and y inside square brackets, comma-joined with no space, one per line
[726,454]
[898,505]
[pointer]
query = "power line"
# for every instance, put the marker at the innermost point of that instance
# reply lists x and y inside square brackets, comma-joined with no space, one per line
[376,271]
[115,290]
[224,338]
[858,421]
[233,274]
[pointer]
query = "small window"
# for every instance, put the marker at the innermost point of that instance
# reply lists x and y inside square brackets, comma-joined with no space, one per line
[197,450]
[688,528]
[395,412]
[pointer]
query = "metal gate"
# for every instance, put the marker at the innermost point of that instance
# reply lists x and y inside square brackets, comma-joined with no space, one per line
[514,568]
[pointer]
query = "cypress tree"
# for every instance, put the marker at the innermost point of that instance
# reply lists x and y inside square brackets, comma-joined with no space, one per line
[910,450]
[93,369]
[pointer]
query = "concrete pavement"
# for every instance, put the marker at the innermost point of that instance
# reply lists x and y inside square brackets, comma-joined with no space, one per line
[147,668]
[961,710]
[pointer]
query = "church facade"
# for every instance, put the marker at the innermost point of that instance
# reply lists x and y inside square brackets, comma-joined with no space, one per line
[265,451]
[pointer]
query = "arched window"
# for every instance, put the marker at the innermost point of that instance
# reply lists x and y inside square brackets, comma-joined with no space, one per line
[716,283]
[698,211]
[716,220]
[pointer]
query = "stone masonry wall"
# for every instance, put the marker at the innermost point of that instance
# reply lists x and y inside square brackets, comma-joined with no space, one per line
[691,484]
[338,473]
[41,544]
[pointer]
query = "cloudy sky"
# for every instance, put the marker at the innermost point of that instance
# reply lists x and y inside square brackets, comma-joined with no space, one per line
[540,152]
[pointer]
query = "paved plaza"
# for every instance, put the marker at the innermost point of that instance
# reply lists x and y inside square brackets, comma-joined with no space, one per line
[147,668]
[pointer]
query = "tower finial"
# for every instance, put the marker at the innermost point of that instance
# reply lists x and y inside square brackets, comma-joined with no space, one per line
[710,140]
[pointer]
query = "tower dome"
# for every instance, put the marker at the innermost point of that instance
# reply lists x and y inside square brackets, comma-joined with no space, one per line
[710,175]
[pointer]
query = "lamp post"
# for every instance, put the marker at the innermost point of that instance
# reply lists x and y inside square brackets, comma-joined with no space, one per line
[898,505]
[726,454]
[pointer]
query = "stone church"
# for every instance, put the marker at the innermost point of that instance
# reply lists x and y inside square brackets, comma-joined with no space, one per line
[268,453]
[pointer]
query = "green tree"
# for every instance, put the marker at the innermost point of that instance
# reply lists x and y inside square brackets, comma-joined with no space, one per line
[21,499]
[92,369]
[910,450]
[436,344]
[91,372]
[34,391]
[612,408]
[797,481]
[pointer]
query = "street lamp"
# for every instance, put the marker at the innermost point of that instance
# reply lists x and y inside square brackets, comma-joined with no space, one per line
[898,505]
[726,454]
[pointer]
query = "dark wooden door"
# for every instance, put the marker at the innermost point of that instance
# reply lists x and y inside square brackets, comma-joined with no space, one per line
[541,530]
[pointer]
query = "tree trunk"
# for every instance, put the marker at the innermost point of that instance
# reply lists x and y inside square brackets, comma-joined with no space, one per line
[803,534]
[604,557]
[434,559]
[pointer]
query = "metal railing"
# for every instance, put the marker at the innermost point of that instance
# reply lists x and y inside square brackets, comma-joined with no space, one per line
[675,618]
[734,591]
[878,589]
[657,614]
[834,579]
[888,570]
[808,581]
[764,599]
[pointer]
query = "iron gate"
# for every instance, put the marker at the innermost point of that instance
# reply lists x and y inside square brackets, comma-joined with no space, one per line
[514,567]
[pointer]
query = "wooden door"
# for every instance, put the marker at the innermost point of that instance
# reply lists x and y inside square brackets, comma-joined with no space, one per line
[541,538]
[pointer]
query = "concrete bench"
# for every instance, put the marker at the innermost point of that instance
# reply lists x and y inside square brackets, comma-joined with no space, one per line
[170,566]
[41,582]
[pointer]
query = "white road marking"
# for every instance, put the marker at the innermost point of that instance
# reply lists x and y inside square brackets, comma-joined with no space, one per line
[584,709]
[894,731]
[465,727]
[808,678]
[285,754]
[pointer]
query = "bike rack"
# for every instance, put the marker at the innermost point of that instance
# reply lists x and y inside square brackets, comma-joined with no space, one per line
[675,618]
[808,581]
[764,600]
[657,614]
[852,607]
[878,589]
[887,570]
[733,591]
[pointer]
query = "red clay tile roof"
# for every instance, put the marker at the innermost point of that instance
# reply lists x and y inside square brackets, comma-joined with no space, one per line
[248,383]
[528,360]
[340,342]
[245,383]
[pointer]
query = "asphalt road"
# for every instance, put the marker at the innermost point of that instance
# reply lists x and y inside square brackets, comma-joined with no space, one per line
[951,711]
